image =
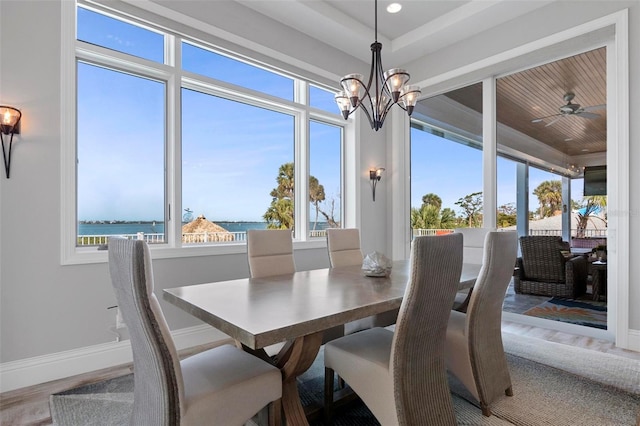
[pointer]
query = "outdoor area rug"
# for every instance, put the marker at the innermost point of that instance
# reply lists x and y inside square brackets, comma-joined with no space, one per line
[584,394]
[581,312]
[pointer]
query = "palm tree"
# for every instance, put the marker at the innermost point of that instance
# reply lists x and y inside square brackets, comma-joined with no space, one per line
[448,219]
[432,199]
[279,215]
[426,217]
[549,195]
[316,196]
[593,205]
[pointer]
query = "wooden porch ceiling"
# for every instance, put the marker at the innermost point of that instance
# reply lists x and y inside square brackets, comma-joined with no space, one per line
[538,92]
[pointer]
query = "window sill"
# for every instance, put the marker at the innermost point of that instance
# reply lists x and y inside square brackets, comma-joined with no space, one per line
[89,255]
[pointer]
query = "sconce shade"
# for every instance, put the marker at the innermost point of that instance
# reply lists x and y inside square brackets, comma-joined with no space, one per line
[9,125]
[9,119]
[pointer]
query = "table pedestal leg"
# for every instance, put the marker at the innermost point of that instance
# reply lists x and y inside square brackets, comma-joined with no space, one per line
[302,353]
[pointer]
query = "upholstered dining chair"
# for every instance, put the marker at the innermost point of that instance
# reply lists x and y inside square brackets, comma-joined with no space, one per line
[270,252]
[220,386]
[343,245]
[475,354]
[472,252]
[473,243]
[401,375]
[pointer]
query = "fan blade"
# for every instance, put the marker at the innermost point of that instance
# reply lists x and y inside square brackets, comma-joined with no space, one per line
[594,107]
[539,119]
[552,121]
[588,115]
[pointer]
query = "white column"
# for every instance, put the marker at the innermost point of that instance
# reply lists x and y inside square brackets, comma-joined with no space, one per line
[489,152]
[566,209]
[522,199]
[398,173]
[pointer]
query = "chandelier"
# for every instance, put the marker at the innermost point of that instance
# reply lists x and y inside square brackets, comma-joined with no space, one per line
[382,91]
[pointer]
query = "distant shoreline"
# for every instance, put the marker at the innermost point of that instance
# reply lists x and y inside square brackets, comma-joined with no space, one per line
[157,227]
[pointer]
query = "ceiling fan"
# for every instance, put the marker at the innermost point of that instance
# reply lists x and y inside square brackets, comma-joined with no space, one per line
[571,109]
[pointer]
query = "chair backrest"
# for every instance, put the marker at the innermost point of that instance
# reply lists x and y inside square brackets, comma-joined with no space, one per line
[417,351]
[158,387]
[270,252]
[484,315]
[542,258]
[344,247]
[473,243]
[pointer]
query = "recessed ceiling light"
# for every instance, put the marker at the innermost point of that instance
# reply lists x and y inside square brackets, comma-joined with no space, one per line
[394,8]
[568,139]
[585,150]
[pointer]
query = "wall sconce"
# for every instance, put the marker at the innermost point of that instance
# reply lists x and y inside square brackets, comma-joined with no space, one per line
[374,176]
[9,125]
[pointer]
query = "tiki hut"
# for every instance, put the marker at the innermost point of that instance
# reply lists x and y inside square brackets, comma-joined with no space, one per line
[200,230]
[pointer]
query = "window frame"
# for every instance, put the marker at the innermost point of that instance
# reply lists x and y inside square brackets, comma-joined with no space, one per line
[175,79]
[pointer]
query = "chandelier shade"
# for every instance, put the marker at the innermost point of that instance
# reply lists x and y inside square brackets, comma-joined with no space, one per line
[382,90]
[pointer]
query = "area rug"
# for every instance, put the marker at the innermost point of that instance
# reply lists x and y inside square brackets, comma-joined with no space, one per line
[580,312]
[543,395]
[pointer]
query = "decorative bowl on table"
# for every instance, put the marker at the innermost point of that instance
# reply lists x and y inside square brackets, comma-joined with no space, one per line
[376,265]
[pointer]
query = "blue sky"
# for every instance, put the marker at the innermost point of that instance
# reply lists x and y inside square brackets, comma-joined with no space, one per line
[452,170]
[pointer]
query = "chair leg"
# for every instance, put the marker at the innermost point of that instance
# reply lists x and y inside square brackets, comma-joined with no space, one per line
[509,391]
[328,396]
[275,413]
[486,411]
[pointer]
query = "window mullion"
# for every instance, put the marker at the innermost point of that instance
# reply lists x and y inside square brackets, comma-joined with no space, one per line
[173,130]
[301,205]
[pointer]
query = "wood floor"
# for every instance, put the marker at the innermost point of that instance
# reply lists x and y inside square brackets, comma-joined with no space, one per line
[30,406]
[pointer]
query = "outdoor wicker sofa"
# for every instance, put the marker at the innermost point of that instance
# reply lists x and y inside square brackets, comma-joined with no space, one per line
[544,270]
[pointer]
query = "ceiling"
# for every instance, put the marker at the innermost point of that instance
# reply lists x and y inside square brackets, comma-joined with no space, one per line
[421,27]
[538,92]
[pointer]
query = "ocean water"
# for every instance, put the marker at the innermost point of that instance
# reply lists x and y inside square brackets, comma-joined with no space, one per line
[158,227]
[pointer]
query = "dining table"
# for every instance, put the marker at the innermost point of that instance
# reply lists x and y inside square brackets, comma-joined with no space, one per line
[295,308]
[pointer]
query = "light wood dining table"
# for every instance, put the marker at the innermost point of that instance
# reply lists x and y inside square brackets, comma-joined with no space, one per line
[296,308]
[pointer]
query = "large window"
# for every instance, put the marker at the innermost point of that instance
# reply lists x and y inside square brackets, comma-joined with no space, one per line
[507,193]
[195,151]
[325,177]
[231,161]
[446,162]
[120,156]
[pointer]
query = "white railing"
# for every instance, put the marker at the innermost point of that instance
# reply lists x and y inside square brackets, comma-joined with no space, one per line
[422,232]
[221,237]
[96,240]
[587,233]
[187,238]
[318,233]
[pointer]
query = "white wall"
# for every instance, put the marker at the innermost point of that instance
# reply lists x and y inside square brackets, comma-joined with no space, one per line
[46,308]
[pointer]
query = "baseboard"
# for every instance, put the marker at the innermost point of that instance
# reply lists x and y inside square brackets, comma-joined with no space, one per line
[595,333]
[633,336]
[42,369]
[634,343]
